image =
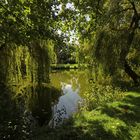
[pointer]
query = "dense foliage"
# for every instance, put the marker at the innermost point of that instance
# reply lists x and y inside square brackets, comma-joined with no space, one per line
[112,29]
[102,35]
[27,31]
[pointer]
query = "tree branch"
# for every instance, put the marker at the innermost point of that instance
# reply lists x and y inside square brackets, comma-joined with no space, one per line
[134,8]
[12,14]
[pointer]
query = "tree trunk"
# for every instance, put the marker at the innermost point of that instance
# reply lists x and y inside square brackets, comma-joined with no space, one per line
[133,26]
[131,73]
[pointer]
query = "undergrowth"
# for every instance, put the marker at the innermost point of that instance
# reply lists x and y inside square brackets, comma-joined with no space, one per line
[107,114]
[98,95]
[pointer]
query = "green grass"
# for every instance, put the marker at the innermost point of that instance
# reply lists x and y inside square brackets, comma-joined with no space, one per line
[119,120]
[64,66]
[67,66]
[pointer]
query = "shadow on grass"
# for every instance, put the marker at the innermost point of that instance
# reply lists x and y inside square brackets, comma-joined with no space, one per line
[127,85]
[114,121]
[88,126]
[128,110]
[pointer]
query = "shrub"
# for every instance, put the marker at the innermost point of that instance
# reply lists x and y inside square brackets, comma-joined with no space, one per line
[99,95]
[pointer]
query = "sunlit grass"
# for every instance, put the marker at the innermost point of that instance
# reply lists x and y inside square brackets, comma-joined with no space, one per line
[117,120]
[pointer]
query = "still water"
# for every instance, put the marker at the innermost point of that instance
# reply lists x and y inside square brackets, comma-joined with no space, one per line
[53,105]
[75,78]
[72,85]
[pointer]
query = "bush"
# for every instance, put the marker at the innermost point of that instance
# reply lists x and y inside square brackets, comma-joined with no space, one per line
[99,95]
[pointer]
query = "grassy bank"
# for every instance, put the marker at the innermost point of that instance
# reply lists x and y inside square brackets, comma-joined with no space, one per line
[117,120]
[67,66]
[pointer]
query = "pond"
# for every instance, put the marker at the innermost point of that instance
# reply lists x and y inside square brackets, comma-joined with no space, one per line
[72,84]
[76,78]
[53,105]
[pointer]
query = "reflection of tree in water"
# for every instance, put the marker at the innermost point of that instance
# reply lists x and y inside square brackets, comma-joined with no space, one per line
[40,103]
[74,82]
[66,106]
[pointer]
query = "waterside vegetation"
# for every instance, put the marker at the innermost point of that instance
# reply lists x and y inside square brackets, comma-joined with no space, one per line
[91,46]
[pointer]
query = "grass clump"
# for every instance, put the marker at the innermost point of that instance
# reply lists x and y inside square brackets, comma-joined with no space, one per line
[100,126]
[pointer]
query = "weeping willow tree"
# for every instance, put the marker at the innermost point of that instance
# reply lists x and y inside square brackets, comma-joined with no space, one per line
[26,64]
[27,28]
[117,38]
[26,41]
[113,27]
[114,54]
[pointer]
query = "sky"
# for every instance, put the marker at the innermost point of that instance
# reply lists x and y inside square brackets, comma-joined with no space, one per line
[72,33]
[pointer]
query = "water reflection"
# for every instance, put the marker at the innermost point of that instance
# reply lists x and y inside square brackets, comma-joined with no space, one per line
[66,106]
[60,101]
[39,102]
[72,77]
